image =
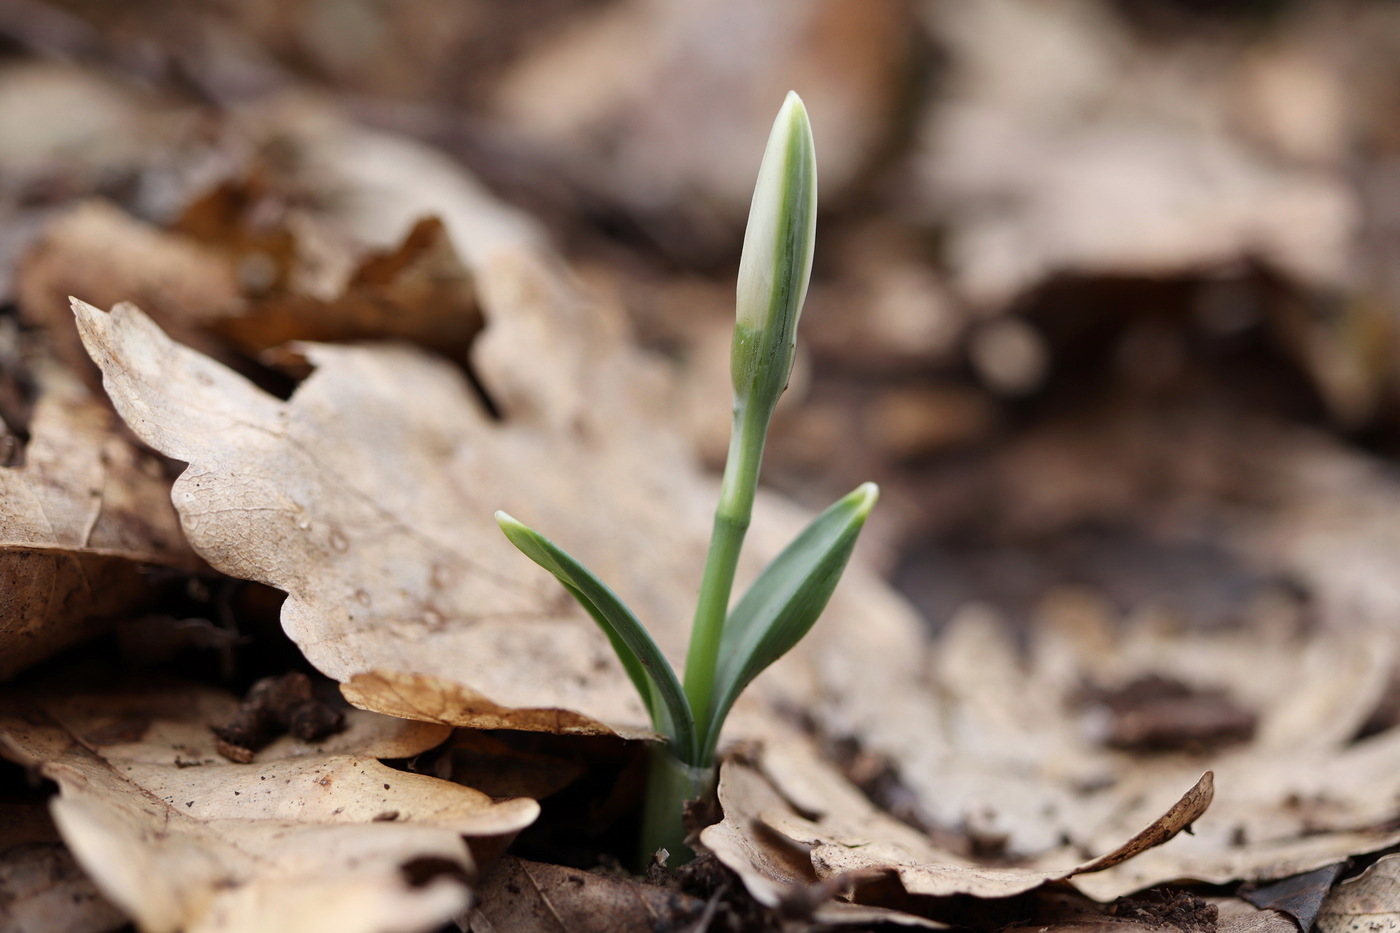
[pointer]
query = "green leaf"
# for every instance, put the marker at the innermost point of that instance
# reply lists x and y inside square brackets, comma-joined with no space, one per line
[784,602]
[648,668]
[636,672]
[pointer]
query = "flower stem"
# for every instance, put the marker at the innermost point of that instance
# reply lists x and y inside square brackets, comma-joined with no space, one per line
[670,784]
[732,517]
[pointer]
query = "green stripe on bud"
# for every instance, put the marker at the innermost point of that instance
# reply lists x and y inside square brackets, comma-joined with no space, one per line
[777,261]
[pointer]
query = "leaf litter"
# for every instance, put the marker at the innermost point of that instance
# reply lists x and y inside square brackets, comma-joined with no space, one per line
[399,649]
[1033,756]
[87,512]
[316,835]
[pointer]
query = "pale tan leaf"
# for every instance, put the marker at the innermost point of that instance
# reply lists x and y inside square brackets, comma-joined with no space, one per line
[1238,916]
[1368,903]
[777,870]
[83,513]
[533,897]
[213,277]
[97,249]
[1049,162]
[364,497]
[301,838]
[873,843]
[843,55]
[42,889]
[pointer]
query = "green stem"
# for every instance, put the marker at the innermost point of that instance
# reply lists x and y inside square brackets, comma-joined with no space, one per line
[732,516]
[670,784]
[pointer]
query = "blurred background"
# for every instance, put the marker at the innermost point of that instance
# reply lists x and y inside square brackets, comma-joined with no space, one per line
[1106,294]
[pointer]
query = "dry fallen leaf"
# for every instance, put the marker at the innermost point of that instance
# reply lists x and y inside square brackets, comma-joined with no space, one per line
[662,76]
[1368,903]
[1050,162]
[419,291]
[849,836]
[1011,753]
[85,513]
[42,889]
[256,290]
[533,897]
[1237,916]
[365,498]
[306,837]
[97,249]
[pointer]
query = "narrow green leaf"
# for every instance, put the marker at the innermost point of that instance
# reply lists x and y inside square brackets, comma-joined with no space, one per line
[784,602]
[648,668]
[630,662]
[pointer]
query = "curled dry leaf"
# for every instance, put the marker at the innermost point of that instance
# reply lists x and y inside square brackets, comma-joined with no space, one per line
[1368,903]
[417,291]
[85,513]
[215,278]
[777,870]
[305,837]
[850,837]
[97,249]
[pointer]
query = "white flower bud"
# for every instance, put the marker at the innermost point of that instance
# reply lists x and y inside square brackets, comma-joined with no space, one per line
[777,260]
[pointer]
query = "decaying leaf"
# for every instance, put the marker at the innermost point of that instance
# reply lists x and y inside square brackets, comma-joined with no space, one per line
[419,291]
[84,513]
[258,290]
[845,56]
[850,837]
[1368,903]
[42,889]
[305,837]
[1012,753]
[97,249]
[778,871]
[532,897]
[1300,896]
[1050,163]
[1237,916]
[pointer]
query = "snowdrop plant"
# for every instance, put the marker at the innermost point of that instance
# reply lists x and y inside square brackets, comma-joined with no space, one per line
[730,646]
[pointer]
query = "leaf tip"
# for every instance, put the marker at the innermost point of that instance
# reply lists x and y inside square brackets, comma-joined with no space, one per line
[793,107]
[864,497]
[81,308]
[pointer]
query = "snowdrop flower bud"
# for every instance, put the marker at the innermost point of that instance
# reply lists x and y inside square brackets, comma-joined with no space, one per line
[777,261]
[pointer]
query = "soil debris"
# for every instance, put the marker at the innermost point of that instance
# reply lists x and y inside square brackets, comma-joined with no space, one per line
[277,706]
